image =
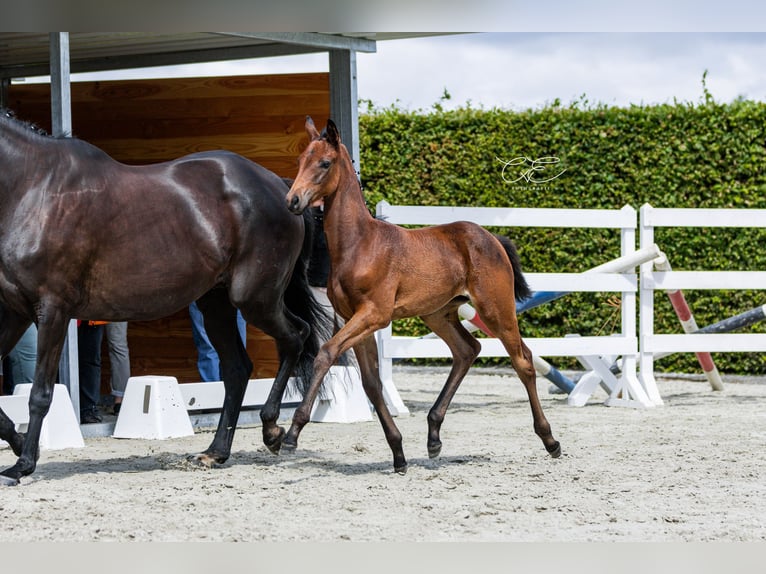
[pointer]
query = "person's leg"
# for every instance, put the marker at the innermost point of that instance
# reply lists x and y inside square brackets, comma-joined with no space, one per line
[207,358]
[7,377]
[119,359]
[89,358]
[23,357]
[242,328]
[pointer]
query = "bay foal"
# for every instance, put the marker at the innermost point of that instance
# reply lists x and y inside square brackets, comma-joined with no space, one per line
[380,272]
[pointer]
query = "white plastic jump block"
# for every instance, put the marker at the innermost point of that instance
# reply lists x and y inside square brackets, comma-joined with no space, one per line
[152,408]
[341,398]
[60,428]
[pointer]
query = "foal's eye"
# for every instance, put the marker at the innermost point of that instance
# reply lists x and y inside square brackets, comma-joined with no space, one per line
[324,164]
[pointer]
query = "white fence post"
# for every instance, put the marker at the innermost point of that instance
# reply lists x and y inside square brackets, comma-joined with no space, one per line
[708,339]
[646,311]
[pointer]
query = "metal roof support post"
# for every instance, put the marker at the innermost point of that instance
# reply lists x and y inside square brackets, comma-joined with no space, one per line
[344,99]
[4,84]
[61,116]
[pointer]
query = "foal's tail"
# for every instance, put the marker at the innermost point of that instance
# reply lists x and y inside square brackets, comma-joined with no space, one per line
[520,287]
[301,302]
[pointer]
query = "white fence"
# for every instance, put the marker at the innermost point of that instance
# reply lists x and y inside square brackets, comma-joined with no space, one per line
[625,344]
[652,280]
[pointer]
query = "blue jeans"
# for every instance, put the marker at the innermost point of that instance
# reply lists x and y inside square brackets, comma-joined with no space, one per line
[119,358]
[208,363]
[23,357]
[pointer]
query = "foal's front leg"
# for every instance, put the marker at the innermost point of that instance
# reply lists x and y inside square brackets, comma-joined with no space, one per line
[361,325]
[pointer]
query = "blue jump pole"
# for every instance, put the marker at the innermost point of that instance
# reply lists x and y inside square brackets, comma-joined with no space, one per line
[539,298]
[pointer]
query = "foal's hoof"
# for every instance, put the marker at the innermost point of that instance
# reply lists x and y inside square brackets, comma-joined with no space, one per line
[275,444]
[555,450]
[434,449]
[8,481]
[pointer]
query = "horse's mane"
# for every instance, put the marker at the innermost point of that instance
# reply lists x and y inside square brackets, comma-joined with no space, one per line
[8,114]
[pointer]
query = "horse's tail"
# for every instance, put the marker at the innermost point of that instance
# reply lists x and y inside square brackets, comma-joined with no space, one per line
[520,287]
[300,301]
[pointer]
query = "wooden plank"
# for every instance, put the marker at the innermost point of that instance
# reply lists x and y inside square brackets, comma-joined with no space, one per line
[118,91]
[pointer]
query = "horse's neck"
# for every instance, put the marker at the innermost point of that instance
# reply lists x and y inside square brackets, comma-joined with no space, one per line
[15,153]
[346,215]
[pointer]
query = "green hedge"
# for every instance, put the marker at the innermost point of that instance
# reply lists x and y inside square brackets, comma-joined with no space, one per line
[675,155]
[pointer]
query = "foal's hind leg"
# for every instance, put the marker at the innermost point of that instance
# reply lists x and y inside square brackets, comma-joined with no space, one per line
[497,308]
[465,348]
[221,327]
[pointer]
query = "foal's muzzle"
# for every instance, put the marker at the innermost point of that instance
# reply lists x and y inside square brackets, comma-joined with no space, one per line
[294,205]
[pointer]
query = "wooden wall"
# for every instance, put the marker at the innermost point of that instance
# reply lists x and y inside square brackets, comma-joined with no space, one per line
[148,121]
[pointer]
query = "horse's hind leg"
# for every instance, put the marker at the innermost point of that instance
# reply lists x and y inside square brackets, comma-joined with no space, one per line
[495,303]
[221,326]
[12,327]
[465,348]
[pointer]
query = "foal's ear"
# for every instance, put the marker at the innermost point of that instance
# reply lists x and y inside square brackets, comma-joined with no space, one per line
[332,133]
[311,129]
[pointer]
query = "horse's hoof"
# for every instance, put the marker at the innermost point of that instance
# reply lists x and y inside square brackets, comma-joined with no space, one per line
[555,450]
[8,481]
[275,444]
[401,469]
[288,447]
[434,450]
[203,460]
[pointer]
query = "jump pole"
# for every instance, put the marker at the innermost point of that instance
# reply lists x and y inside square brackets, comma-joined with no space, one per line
[619,265]
[733,323]
[684,314]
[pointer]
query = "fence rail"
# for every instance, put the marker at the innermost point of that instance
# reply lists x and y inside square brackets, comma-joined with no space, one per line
[652,279]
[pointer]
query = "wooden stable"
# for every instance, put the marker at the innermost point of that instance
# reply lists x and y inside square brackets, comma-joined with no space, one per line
[149,121]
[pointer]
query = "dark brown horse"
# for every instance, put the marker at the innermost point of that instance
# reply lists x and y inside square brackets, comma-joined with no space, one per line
[83,236]
[381,272]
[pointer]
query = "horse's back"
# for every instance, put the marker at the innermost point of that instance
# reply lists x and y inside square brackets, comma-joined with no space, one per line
[135,242]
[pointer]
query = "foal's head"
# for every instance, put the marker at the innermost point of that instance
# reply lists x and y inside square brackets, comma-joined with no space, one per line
[318,168]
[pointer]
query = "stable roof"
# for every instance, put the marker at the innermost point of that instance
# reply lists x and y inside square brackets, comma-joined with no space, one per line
[28,54]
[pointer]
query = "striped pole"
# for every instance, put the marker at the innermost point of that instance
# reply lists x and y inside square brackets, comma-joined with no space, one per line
[733,323]
[467,312]
[684,314]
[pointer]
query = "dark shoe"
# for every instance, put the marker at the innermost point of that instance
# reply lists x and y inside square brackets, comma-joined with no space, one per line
[116,408]
[90,417]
